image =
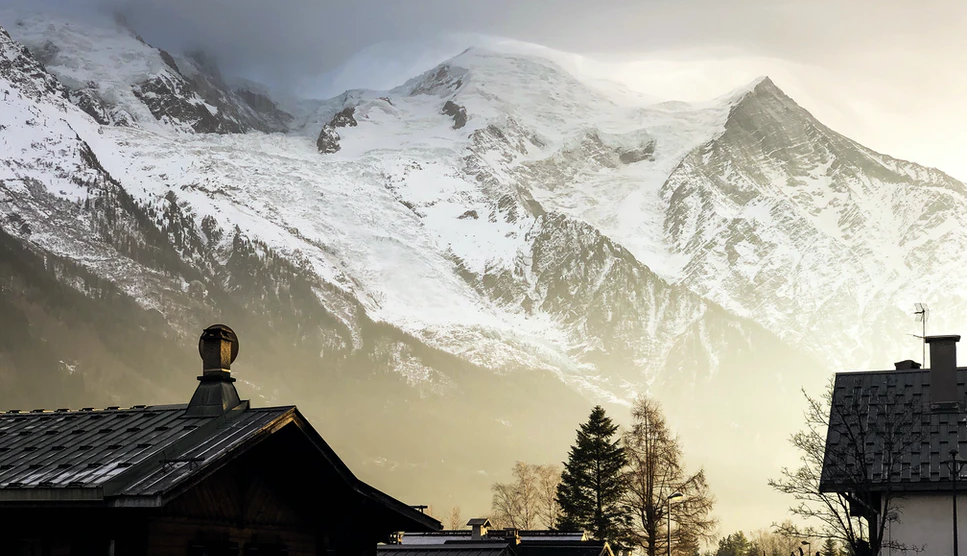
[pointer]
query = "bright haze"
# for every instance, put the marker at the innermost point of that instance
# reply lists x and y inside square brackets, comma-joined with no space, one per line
[885,73]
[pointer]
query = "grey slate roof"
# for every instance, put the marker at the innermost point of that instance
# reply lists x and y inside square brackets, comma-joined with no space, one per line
[891,407]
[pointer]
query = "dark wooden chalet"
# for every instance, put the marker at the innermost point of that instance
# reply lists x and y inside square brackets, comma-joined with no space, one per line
[214,477]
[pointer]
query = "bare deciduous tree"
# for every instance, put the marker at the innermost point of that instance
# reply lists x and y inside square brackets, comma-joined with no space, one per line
[530,500]
[548,478]
[453,519]
[875,425]
[775,543]
[655,471]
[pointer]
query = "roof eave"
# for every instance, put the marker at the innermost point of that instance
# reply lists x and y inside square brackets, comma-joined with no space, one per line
[417,517]
[68,495]
[906,488]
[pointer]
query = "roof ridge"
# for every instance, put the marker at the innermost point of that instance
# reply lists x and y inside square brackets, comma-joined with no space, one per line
[86,410]
[889,371]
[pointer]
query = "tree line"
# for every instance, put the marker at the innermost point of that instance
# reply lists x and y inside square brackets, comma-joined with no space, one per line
[629,487]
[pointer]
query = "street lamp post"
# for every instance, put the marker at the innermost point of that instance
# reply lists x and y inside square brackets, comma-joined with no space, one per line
[956,466]
[809,547]
[668,503]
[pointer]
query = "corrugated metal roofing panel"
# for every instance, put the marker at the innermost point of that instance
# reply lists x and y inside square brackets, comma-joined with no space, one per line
[121,456]
[182,462]
[89,448]
[83,448]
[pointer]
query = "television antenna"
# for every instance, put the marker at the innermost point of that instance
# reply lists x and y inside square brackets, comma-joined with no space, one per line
[922,313]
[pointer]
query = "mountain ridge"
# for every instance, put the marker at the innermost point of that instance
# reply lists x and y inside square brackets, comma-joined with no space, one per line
[549,252]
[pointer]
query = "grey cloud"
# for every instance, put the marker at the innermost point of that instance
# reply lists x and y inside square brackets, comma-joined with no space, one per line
[885,72]
[288,39]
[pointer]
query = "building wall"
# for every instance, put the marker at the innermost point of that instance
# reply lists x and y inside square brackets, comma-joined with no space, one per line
[926,520]
[177,537]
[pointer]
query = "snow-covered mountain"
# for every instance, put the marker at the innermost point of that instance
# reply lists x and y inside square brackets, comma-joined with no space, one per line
[118,79]
[497,239]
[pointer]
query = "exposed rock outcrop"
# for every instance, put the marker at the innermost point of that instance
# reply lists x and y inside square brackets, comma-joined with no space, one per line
[328,141]
[457,112]
[444,80]
[169,60]
[646,152]
[171,101]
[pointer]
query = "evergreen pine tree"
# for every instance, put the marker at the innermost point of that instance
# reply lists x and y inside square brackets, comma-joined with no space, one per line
[592,483]
[830,548]
[735,544]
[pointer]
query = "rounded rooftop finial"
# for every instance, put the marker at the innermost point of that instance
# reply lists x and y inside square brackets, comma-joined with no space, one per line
[218,348]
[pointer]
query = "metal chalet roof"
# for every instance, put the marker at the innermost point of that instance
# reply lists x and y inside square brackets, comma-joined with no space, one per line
[97,454]
[894,407]
[143,455]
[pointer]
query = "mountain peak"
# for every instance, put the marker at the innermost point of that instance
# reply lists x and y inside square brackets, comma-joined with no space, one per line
[762,85]
[761,93]
[765,86]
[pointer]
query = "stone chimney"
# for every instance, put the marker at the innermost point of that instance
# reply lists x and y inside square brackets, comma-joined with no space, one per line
[943,372]
[218,347]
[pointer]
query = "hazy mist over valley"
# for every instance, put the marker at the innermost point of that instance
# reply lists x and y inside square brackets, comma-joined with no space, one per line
[446,233]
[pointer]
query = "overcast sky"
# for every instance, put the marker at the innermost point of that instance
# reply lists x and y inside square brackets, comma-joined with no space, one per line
[889,74]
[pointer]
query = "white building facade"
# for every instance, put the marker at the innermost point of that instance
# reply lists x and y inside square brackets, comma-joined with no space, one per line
[901,432]
[924,525]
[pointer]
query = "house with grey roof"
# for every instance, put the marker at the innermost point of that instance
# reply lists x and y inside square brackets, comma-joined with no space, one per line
[894,450]
[215,476]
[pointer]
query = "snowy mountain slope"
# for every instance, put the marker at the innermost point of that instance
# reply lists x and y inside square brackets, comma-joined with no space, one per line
[539,133]
[102,294]
[861,236]
[815,236]
[41,191]
[413,219]
[119,79]
[435,271]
